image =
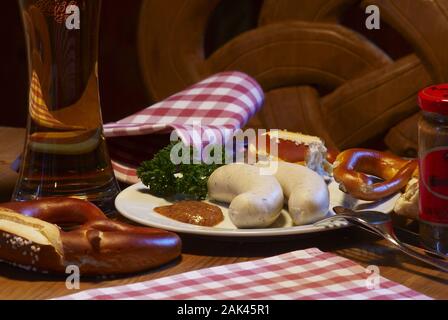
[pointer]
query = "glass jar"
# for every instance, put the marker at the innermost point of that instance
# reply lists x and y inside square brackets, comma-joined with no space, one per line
[433,154]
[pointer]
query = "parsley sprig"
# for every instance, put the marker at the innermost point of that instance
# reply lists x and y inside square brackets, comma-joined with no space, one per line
[166,179]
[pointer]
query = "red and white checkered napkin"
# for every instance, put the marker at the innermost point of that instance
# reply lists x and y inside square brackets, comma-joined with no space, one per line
[307,274]
[209,111]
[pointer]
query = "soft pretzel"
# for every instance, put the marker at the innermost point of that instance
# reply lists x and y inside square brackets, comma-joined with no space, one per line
[354,168]
[30,238]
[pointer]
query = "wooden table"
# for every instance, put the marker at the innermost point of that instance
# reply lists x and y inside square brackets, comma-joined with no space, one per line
[198,253]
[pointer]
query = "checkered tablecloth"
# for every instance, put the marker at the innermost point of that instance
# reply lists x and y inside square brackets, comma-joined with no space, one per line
[308,274]
[209,111]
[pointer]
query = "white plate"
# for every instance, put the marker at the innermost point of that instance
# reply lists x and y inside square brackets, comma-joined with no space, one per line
[137,204]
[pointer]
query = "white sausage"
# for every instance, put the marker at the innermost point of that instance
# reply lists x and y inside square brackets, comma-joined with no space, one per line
[306,191]
[255,200]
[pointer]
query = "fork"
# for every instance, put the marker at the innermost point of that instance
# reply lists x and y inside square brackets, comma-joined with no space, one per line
[380,223]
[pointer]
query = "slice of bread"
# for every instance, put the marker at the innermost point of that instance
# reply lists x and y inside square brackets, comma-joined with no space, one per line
[295,148]
[30,243]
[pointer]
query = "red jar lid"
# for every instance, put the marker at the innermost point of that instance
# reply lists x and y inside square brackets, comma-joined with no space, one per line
[434,99]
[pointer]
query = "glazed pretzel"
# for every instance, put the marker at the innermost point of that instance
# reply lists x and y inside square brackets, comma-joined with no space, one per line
[354,168]
[30,238]
[297,46]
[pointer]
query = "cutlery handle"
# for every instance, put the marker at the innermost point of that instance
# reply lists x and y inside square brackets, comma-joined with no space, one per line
[386,231]
[439,262]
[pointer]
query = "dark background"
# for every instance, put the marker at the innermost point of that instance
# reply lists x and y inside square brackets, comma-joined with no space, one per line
[121,87]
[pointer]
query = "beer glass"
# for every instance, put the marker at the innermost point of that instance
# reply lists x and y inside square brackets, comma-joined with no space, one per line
[65,152]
